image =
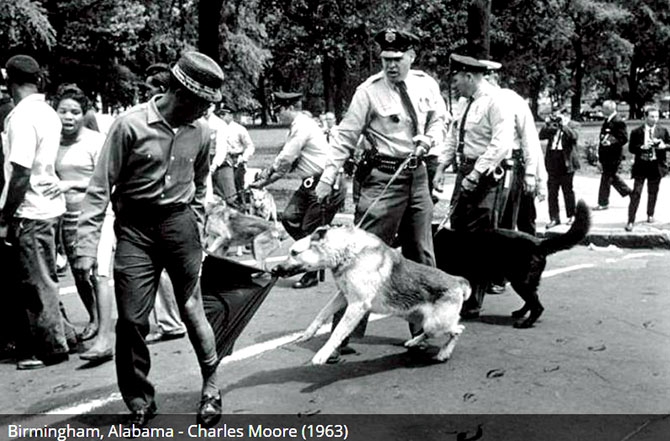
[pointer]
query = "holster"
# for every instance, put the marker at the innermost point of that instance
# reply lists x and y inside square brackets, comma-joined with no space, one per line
[365,165]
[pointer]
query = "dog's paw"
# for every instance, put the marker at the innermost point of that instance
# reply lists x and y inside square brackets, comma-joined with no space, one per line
[321,358]
[413,342]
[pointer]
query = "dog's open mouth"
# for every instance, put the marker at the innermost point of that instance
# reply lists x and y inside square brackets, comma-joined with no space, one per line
[284,270]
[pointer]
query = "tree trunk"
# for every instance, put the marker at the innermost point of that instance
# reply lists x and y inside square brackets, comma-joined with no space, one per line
[209,19]
[263,100]
[633,82]
[577,80]
[327,83]
[340,72]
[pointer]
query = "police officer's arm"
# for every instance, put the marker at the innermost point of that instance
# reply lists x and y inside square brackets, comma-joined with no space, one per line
[283,162]
[98,194]
[249,148]
[530,145]
[436,119]
[446,157]
[345,140]
[502,137]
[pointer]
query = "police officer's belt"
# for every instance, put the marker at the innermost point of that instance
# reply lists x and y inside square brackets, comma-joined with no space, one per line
[311,181]
[389,164]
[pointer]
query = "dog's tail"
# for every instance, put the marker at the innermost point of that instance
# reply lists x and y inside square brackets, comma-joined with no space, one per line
[577,232]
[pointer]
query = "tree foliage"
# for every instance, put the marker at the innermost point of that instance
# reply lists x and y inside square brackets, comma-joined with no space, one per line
[24,25]
[577,50]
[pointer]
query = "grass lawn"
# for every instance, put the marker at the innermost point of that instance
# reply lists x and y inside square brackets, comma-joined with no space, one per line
[268,142]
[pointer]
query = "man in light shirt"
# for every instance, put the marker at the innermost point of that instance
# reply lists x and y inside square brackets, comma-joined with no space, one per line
[29,218]
[234,147]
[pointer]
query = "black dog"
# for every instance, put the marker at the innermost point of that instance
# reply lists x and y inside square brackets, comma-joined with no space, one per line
[485,256]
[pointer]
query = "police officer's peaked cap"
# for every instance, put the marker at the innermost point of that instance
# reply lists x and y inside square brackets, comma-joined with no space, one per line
[223,110]
[287,98]
[465,63]
[199,74]
[394,43]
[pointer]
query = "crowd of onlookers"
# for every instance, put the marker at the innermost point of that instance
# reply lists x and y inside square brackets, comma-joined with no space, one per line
[59,162]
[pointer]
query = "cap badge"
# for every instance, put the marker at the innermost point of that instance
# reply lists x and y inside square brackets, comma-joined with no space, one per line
[390,37]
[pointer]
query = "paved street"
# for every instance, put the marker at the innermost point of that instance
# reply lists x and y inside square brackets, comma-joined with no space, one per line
[601,347]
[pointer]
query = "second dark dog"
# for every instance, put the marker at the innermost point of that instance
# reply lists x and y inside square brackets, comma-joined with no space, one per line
[488,256]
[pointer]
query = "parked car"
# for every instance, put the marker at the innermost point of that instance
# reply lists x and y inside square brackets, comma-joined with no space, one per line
[592,115]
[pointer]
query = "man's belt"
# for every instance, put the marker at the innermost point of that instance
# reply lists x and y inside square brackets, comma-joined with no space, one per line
[390,164]
[310,181]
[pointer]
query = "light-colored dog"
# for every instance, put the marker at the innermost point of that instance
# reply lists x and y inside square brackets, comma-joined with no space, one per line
[262,204]
[372,277]
[226,227]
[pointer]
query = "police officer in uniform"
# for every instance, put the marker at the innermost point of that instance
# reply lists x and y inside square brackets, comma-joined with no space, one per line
[401,114]
[304,155]
[481,140]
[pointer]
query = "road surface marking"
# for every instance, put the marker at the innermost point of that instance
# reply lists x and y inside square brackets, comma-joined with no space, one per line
[258,349]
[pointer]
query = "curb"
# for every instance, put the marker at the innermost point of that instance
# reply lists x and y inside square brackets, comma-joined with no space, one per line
[651,238]
[603,237]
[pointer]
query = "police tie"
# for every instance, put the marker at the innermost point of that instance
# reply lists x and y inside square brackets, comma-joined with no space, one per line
[407,104]
[461,129]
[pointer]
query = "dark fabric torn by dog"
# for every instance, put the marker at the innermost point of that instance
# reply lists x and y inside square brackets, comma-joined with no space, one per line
[231,297]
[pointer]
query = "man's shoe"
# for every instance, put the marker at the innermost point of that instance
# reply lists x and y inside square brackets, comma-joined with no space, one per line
[209,412]
[157,337]
[307,281]
[28,364]
[553,223]
[600,207]
[650,219]
[629,226]
[98,356]
[141,416]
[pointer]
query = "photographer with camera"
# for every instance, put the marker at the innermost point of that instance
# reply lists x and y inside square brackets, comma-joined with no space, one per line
[648,143]
[561,161]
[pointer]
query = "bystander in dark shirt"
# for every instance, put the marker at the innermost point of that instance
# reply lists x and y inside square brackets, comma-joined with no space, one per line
[147,162]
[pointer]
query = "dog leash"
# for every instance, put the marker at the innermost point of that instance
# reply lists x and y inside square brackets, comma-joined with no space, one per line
[401,168]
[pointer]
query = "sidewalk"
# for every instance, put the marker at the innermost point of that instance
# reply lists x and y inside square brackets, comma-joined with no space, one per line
[607,227]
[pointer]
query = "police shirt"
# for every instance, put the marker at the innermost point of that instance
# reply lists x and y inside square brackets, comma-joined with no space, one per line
[525,132]
[377,111]
[306,150]
[489,130]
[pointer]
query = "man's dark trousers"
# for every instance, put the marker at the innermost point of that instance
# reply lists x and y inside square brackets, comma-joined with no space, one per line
[150,239]
[611,178]
[653,185]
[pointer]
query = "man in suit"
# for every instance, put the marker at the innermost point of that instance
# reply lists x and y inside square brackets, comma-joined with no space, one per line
[648,143]
[561,160]
[613,136]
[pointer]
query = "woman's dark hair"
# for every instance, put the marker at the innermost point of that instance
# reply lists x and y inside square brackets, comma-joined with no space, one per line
[72,91]
[158,75]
